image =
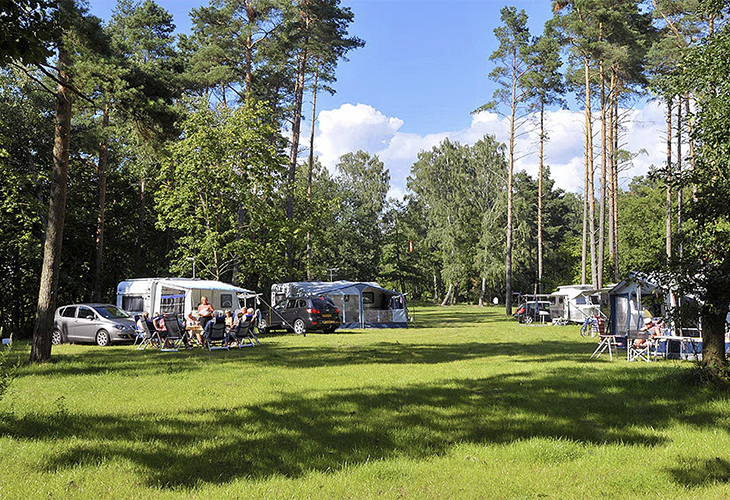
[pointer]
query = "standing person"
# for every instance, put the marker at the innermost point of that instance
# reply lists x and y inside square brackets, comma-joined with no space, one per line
[205,311]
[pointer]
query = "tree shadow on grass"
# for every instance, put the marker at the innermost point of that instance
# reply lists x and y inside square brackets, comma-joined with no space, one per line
[133,363]
[695,472]
[301,432]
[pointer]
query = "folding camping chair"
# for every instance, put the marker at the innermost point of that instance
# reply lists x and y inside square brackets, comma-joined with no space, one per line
[606,343]
[149,337]
[139,335]
[215,335]
[244,335]
[174,338]
[639,353]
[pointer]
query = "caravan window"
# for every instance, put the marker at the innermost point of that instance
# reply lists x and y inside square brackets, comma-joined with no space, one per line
[133,303]
[226,301]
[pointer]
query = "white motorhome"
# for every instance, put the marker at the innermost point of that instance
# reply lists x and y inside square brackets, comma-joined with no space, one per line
[575,303]
[177,295]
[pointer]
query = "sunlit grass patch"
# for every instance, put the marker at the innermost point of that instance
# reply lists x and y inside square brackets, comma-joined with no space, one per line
[467,405]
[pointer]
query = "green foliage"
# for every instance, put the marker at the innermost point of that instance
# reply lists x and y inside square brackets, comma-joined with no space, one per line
[355,234]
[218,190]
[27,30]
[561,220]
[705,267]
[26,144]
[512,59]
[410,259]
[642,226]
[462,191]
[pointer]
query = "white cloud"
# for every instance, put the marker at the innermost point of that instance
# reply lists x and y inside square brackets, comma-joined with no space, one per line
[362,127]
[350,128]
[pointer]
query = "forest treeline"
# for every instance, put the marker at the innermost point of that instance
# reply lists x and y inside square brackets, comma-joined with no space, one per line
[128,150]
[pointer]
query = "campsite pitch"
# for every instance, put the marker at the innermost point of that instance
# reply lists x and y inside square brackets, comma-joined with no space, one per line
[468,404]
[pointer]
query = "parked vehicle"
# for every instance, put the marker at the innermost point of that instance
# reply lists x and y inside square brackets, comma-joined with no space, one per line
[301,315]
[533,311]
[361,304]
[103,324]
[575,303]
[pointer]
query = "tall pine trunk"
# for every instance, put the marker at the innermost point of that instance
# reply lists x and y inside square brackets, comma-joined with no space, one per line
[614,182]
[41,346]
[590,174]
[680,199]
[294,152]
[539,196]
[101,173]
[141,215]
[610,158]
[508,253]
[602,206]
[310,169]
[668,237]
[584,243]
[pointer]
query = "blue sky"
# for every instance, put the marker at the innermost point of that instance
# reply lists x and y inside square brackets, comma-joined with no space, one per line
[424,68]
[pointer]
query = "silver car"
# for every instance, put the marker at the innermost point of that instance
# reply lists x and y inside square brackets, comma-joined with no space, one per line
[103,324]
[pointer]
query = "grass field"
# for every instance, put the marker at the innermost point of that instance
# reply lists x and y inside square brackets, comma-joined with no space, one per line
[466,405]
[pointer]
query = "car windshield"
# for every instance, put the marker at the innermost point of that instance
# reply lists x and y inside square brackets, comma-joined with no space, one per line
[111,312]
[322,303]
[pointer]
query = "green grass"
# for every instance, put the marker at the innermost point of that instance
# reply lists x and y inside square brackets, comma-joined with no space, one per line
[466,405]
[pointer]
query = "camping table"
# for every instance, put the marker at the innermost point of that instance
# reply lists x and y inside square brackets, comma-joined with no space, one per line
[687,345]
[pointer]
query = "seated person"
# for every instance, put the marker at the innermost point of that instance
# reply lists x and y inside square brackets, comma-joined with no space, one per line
[193,327]
[229,319]
[248,317]
[654,330]
[217,320]
[143,319]
[159,323]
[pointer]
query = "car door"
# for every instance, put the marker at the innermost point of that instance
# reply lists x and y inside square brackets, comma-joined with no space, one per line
[290,313]
[86,324]
[66,320]
[276,318]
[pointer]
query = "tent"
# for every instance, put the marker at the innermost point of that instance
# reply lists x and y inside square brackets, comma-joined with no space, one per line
[361,304]
[632,300]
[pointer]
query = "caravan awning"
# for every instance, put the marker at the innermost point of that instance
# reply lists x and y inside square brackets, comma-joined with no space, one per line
[205,285]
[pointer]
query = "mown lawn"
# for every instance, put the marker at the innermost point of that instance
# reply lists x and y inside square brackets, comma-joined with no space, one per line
[466,405]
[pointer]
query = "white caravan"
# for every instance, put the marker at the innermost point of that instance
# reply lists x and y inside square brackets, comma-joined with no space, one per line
[177,295]
[575,303]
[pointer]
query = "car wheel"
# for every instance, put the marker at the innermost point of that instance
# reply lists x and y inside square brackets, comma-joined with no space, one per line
[299,327]
[528,320]
[56,338]
[102,338]
[263,326]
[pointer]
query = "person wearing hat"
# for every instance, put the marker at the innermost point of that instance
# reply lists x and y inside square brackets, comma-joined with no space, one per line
[654,330]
